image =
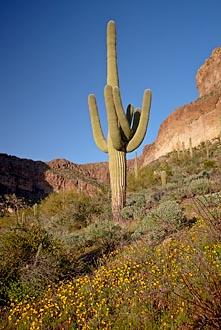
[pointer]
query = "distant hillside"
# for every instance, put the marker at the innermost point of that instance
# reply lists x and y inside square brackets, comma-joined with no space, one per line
[34,180]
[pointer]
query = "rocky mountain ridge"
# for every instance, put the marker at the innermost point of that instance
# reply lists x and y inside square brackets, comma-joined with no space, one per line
[200,120]
[34,180]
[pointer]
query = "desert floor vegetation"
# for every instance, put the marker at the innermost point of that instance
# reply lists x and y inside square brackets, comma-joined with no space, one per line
[65,265]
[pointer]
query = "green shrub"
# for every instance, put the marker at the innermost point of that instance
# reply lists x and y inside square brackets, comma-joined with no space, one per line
[17,291]
[103,234]
[127,212]
[139,204]
[167,218]
[209,164]
[70,211]
[68,206]
[135,203]
[198,187]
[22,264]
[146,179]
[45,248]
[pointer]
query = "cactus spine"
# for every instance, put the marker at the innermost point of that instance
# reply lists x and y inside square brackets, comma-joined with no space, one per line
[126,131]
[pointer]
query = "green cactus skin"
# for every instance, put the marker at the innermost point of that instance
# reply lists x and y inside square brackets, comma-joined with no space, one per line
[136,166]
[23,216]
[190,148]
[163,175]
[126,131]
[207,149]
[178,150]
[35,209]
[183,150]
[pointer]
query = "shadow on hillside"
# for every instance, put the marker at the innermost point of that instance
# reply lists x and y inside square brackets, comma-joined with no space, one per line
[24,178]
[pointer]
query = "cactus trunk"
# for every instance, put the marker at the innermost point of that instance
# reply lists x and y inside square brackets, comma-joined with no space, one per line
[117,159]
[117,169]
[163,175]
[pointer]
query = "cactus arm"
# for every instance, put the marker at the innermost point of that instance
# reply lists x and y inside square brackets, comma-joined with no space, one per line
[112,72]
[96,125]
[121,114]
[129,113]
[136,119]
[138,137]
[114,128]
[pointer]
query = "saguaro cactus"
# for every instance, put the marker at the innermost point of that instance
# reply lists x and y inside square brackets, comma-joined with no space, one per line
[163,176]
[126,131]
[190,148]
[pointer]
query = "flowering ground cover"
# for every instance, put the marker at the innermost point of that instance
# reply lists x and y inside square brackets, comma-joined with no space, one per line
[174,285]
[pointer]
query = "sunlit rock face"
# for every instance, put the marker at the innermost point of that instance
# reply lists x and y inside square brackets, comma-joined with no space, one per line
[200,120]
[208,77]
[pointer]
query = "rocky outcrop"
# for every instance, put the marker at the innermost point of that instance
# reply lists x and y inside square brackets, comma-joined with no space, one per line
[66,175]
[34,180]
[98,170]
[199,120]
[208,77]
[23,177]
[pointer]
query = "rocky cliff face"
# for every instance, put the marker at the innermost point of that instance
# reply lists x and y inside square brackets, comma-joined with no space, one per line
[23,177]
[63,174]
[34,180]
[199,120]
[208,77]
[98,170]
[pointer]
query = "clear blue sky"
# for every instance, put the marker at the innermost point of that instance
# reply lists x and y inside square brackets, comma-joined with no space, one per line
[53,54]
